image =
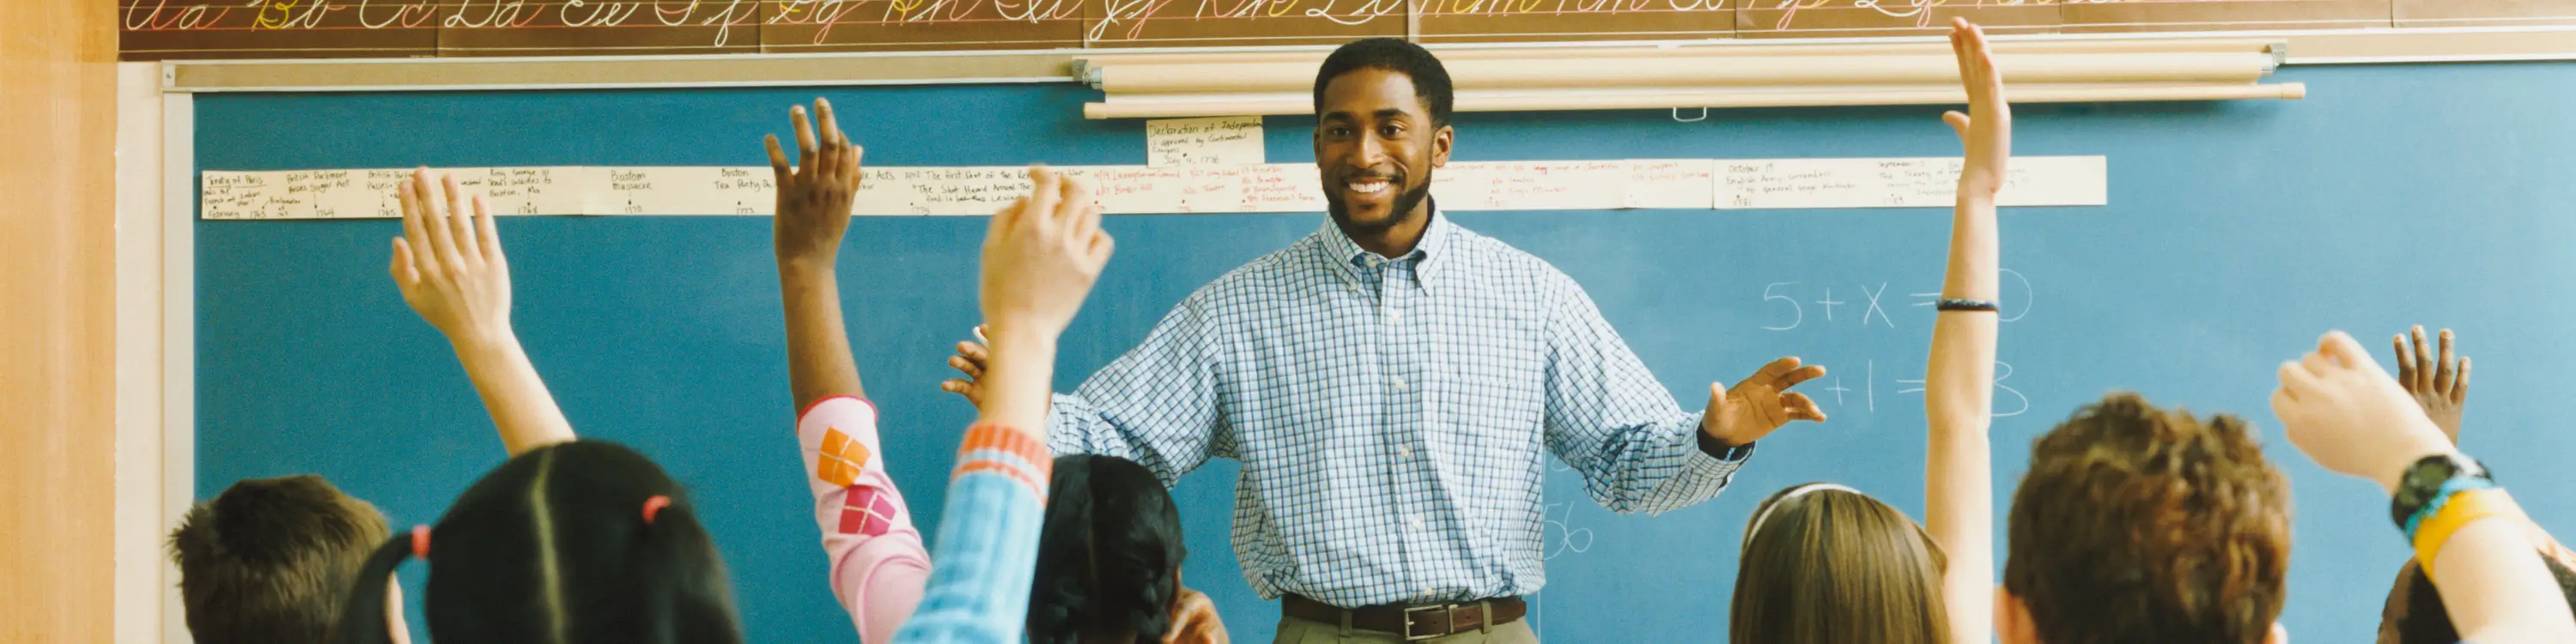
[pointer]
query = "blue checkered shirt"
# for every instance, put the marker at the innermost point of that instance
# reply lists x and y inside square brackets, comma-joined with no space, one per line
[1389,415]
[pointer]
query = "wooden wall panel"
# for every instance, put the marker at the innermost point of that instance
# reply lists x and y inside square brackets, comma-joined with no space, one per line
[57,320]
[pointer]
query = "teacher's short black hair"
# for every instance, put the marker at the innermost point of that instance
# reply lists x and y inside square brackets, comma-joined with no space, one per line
[1430,79]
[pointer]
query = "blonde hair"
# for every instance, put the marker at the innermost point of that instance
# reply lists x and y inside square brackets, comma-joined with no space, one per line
[1825,564]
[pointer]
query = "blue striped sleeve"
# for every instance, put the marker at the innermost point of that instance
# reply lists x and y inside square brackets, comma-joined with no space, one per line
[986,552]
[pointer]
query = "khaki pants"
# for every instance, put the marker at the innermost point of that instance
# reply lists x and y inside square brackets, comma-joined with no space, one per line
[1299,631]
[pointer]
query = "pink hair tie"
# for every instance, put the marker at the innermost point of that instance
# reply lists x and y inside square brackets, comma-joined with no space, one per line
[653,505]
[420,541]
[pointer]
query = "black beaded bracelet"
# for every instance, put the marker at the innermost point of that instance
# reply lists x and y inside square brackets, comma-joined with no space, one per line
[1962,304]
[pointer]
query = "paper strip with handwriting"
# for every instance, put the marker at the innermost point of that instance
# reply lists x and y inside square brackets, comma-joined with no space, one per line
[369,193]
[1531,185]
[1669,183]
[1224,140]
[548,190]
[1136,189]
[541,190]
[1928,182]
[969,190]
[238,195]
[1283,187]
[289,194]
[683,190]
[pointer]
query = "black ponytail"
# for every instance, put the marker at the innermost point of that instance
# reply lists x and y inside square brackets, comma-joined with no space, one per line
[1061,589]
[363,619]
[1109,557]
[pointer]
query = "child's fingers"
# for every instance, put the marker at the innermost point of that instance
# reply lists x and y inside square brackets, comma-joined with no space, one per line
[486,236]
[405,275]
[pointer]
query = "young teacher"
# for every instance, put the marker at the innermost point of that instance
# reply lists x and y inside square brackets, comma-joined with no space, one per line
[1389,382]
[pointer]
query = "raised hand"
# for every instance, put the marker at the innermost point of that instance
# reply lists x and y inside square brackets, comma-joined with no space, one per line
[1040,259]
[2341,409]
[449,265]
[969,362]
[2440,386]
[450,269]
[1987,127]
[1194,621]
[1041,256]
[1761,403]
[814,196]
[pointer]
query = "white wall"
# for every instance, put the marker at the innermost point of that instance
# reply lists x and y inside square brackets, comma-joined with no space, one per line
[150,493]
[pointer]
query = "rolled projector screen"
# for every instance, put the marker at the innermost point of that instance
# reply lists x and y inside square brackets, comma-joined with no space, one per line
[2185,67]
[1733,49]
[1920,95]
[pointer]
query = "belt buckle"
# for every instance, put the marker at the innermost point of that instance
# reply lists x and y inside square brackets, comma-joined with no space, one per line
[1449,610]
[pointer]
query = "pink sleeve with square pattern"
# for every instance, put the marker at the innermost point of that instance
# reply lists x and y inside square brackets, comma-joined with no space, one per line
[878,563]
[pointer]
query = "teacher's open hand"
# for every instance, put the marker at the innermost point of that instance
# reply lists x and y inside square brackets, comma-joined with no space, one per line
[1760,404]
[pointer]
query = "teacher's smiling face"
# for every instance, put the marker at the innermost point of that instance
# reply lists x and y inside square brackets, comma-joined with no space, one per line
[1375,145]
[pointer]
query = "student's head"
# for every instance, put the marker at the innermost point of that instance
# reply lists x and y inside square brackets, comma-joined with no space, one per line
[2415,615]
[558,545]
[1109,563]
[270,561]
[1824,564]
[2138,525]
[1382,123]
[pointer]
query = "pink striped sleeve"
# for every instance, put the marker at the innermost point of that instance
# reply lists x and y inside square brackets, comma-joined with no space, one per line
[878,564]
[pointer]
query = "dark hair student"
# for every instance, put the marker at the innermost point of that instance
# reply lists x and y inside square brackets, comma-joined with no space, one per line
[1109,563]
[579,542]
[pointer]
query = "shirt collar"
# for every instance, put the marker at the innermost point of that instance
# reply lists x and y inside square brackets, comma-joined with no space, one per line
[1347,255]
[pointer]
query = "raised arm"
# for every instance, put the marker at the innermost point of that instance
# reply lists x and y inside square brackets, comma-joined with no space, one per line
[1040,259]
[450,269]
[813,212]
[1039,262]
[2339,408]
[878,565]
[2440,385]
[1958,474]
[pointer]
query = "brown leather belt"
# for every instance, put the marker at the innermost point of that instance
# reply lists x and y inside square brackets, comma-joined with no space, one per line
[1414,622]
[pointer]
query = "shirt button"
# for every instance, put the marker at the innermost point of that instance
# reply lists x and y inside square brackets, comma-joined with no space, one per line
[1416,522]
[1406,452]
[1397,316]
[1399,384]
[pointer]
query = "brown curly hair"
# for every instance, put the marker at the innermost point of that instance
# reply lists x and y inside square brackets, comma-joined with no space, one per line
[270,561]
[2139,525]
